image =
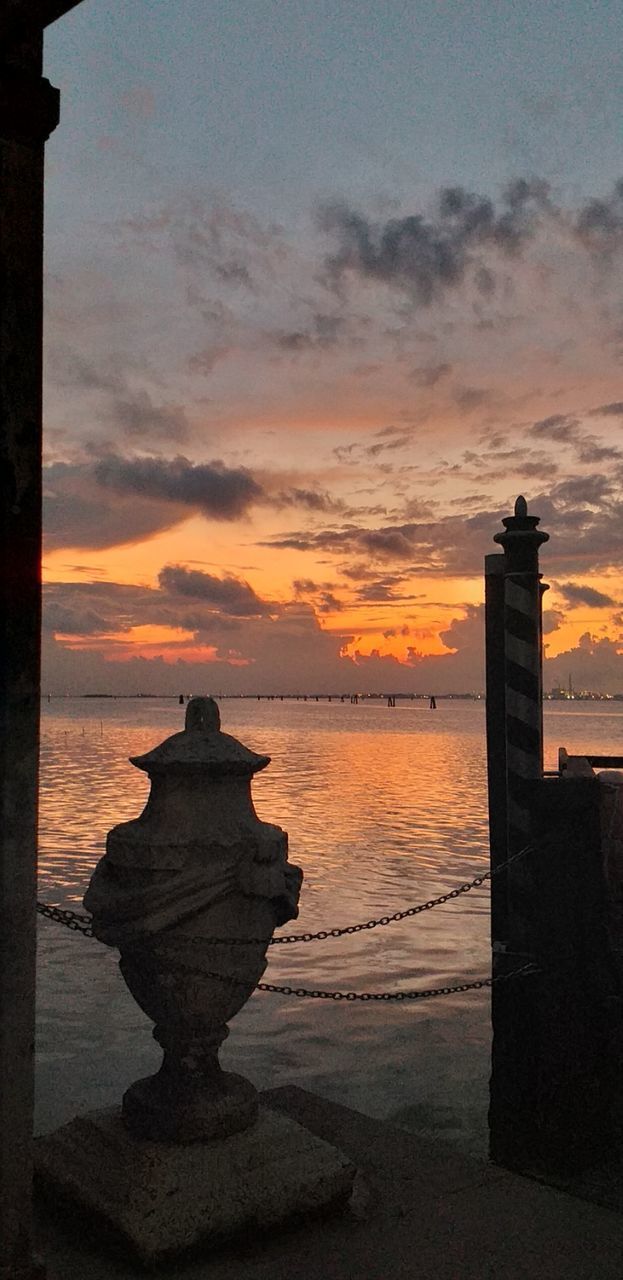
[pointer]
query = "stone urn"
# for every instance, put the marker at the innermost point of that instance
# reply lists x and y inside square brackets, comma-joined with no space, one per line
[190,892]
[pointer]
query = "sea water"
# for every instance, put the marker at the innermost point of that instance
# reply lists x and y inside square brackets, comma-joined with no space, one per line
[385,808]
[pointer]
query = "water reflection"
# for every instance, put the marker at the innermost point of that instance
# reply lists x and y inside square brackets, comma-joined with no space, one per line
[384,808]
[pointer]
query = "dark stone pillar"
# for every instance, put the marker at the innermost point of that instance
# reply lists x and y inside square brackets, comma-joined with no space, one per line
[557,1032]
[29,108]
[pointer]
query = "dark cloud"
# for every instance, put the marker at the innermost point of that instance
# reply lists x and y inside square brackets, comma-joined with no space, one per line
[397,631]
[67,367]
[220,492]
[78,513]
[209,609]
[206,360]
[583,515]
[417,509]
[231,595]
[377,592]
[390,439]
[537,469]
[323,332]
[272,654]
[234,272]
[294,644]
[560,427]
[344,453]
[467,632]
[429,375]
[94,608]
[430,257]
[578,593]
[595,664]
[609,410]
[296,340]
[552,620]
[485,283]
[563,428]
[211,238]
[391,542]
[57,617]
[138,416]
[295,542]
[133,411]
[590,451]
[328,602]
[311,499]
[469,398]
[121,500]
[322,595]
[469,500]
[579,491]
[116,499]
[599,223]
[384,543]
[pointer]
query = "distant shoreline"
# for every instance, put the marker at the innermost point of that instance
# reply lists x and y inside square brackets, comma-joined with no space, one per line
[323,697]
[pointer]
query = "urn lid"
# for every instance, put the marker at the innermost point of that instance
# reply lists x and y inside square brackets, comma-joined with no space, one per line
[202,747]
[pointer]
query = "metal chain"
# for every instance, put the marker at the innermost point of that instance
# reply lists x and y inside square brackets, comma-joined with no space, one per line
[71,920]
[351,996]
[82,923]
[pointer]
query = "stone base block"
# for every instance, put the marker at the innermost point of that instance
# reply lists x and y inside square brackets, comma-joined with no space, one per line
[164,1199]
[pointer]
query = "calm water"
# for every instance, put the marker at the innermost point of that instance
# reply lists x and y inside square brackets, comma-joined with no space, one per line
[384,809]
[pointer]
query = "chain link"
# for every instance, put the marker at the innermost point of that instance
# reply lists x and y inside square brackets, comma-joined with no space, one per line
[71,919]
[82,923]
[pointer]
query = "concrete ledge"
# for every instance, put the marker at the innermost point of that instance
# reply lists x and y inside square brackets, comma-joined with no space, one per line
[166,1199]
[418,1209]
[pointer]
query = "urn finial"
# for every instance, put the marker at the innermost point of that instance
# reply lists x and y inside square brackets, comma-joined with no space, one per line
[201,747]
[202,714]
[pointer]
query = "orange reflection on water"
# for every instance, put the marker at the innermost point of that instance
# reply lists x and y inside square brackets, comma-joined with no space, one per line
[385,808]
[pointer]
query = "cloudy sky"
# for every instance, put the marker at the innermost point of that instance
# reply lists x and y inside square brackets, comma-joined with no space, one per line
[329,283]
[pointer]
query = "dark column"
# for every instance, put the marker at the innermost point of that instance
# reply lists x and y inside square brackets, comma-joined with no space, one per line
[28,113]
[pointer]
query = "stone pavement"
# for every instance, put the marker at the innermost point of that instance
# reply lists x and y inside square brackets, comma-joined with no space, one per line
[420,1209]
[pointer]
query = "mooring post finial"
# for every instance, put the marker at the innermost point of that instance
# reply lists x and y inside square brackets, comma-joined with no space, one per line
[521,539]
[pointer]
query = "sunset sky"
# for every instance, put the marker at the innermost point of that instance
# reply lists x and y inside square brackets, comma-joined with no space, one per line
[329,283]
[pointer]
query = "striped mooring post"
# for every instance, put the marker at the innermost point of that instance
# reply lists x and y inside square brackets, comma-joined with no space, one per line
[523,701]
[513,594]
